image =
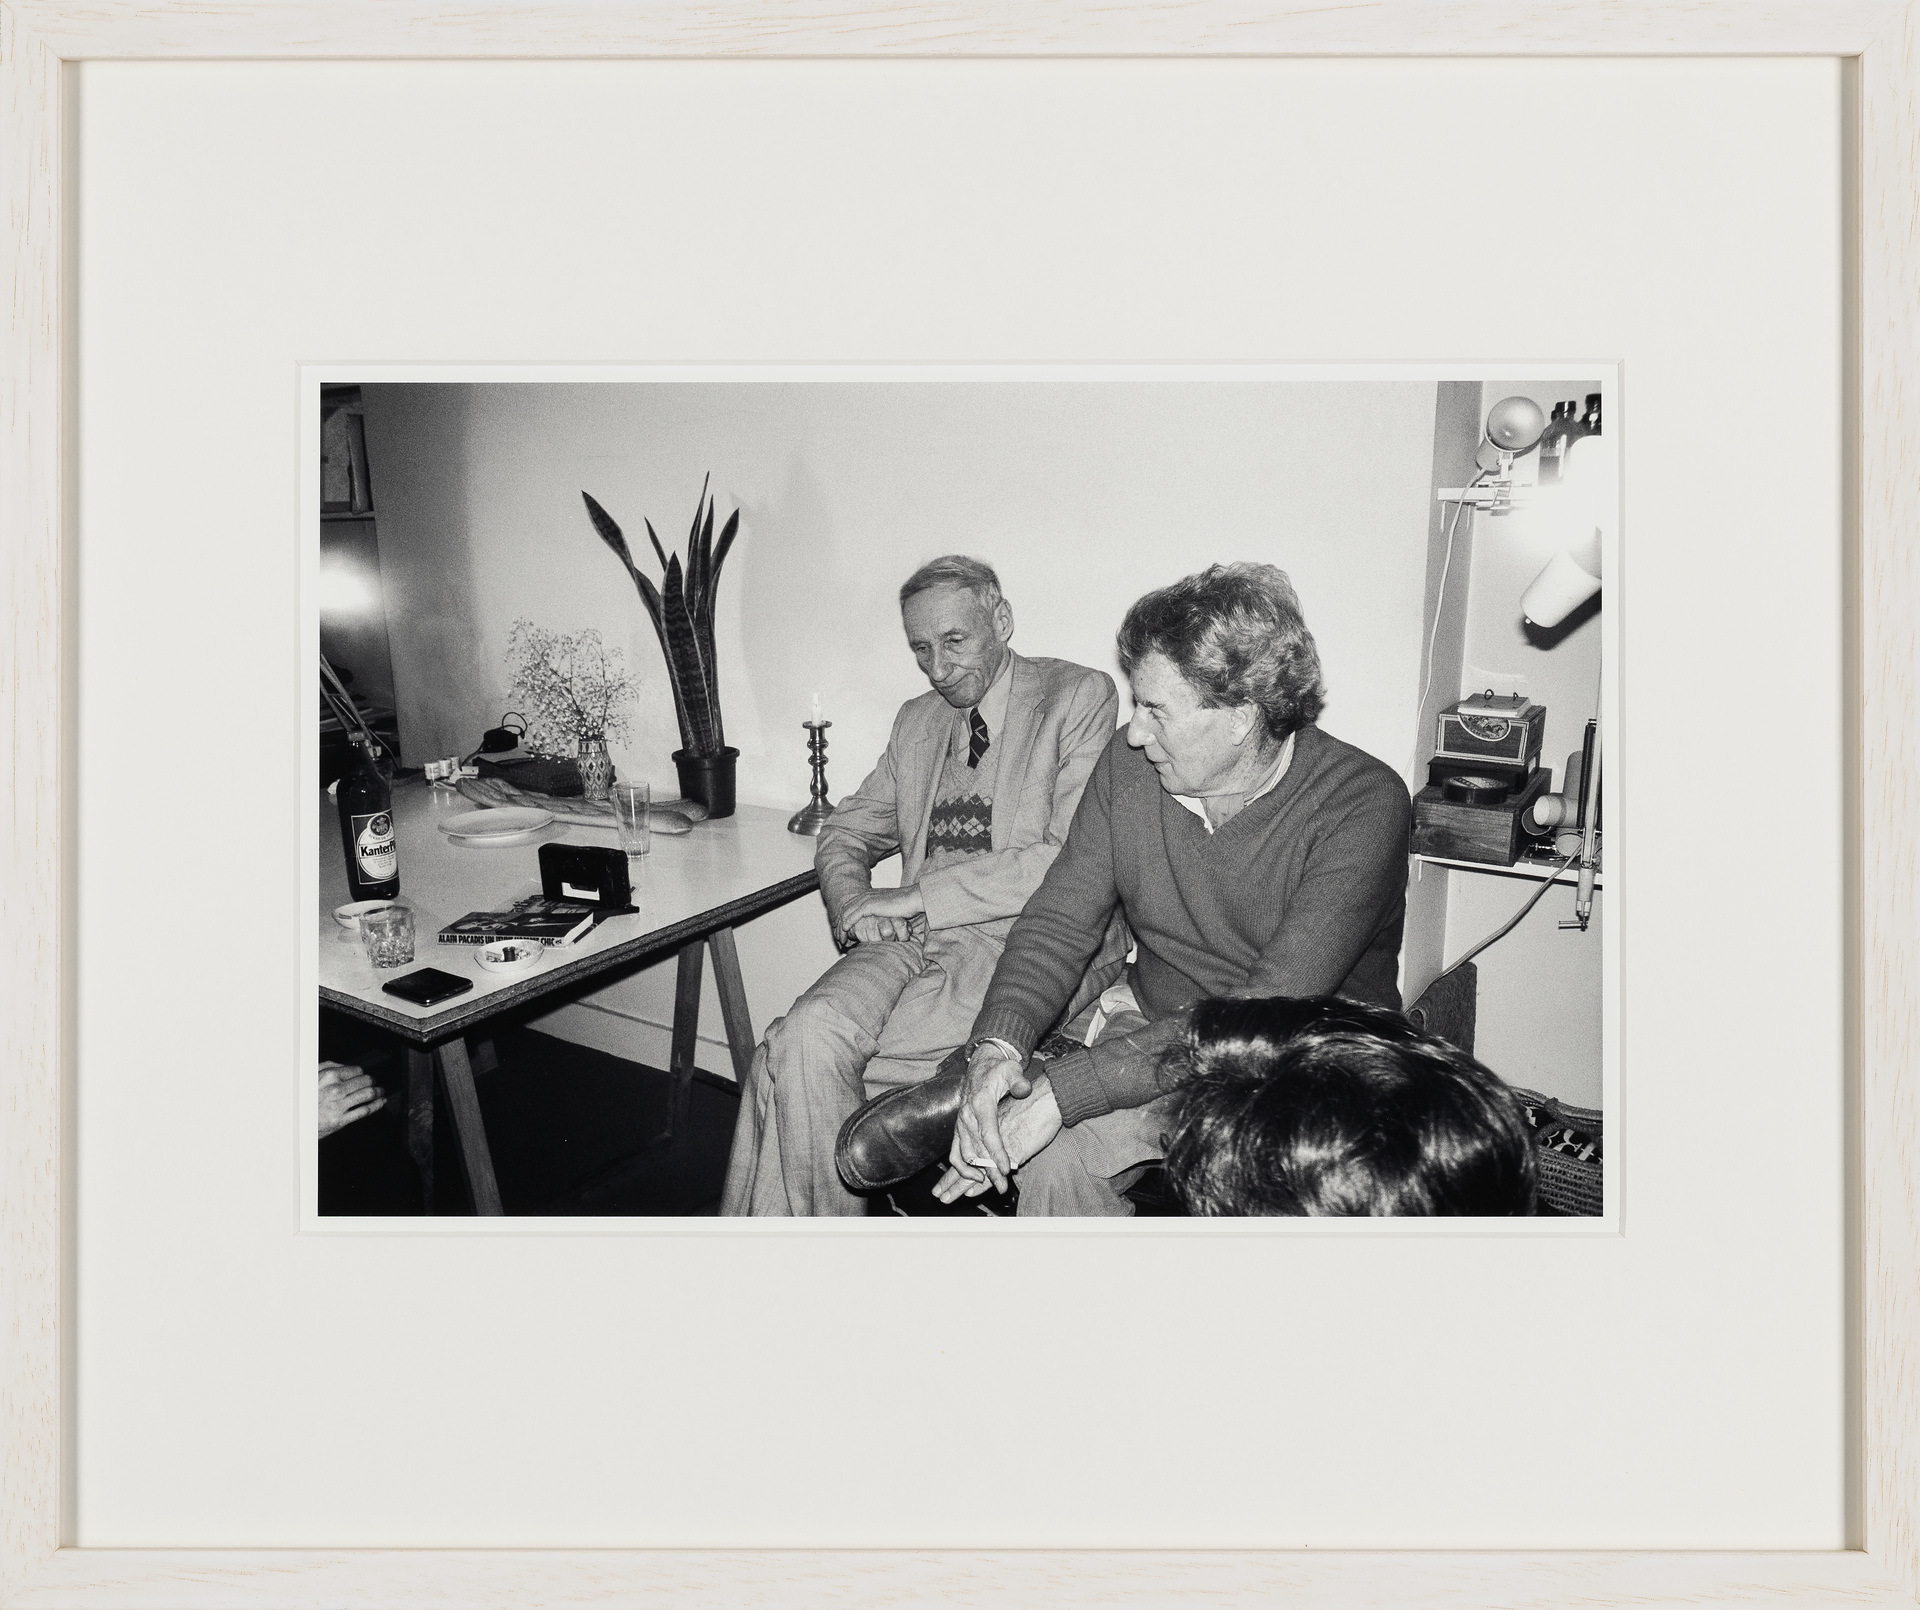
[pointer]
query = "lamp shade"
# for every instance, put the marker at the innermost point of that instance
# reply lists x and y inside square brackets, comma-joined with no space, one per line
[1515,424]
[1568,581]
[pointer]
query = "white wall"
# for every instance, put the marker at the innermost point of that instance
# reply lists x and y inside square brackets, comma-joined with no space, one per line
[1540,1005]
[1083,495]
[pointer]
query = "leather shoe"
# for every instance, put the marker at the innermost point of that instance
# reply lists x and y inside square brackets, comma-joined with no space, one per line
[899,1132]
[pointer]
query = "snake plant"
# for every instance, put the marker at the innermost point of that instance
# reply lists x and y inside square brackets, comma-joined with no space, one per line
[681,609]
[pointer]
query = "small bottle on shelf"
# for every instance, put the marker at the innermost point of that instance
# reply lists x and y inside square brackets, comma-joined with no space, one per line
[1553,443]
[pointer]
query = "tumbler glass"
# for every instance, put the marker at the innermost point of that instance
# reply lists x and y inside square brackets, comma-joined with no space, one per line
[388,935]
[633,814]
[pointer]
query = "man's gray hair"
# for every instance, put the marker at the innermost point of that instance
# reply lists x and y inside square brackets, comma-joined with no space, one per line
[1235,632]
[954,570]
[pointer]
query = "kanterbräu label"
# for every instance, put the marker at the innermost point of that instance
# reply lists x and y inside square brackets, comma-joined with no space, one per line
[373,843]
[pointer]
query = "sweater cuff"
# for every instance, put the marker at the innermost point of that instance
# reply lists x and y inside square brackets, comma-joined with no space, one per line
[997,1023]
[1077,1089]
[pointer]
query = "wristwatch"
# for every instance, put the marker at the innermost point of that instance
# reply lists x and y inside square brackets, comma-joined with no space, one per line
[1005,1045]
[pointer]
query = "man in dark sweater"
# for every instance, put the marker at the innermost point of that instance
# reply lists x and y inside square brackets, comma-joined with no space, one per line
[1250,853]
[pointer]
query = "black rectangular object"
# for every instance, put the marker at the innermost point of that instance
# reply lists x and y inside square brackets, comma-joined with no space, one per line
[428,985]
[586,873]
[553,775]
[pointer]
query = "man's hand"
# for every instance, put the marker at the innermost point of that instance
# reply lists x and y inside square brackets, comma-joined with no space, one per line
[885,914]
[346,1093]
[978,1152]
[1027,1123]
[897,903]
[870,930]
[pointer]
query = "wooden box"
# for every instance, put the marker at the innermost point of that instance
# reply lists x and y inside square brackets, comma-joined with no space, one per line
[1505,730]
[1489,834]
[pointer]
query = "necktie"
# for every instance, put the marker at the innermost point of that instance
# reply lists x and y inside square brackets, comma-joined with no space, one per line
[977,743]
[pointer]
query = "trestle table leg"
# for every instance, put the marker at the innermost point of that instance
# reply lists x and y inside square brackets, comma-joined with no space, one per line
[420,1121]
[733,1001]
[686,1034]
[463,1101]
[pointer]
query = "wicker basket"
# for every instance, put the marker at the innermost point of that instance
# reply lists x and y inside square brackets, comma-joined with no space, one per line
[1570,1174]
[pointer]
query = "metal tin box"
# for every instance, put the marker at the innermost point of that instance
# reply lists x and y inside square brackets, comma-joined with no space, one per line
[1487,727]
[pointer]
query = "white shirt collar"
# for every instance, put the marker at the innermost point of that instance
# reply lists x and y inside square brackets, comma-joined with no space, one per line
[1199,806]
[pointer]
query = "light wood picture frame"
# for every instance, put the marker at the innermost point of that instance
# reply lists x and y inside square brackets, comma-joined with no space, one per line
[1880,41]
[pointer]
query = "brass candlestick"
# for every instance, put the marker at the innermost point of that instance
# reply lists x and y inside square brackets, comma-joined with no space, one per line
[811,817]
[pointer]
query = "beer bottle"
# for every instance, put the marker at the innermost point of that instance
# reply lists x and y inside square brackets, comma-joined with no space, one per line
[366,828]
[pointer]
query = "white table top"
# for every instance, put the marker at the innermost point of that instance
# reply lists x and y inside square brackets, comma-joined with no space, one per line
[721,873]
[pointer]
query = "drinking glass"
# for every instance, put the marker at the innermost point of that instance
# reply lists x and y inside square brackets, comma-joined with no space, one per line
[633,814]
[388,935]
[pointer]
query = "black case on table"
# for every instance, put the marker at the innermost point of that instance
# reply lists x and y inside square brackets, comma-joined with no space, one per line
[586,873]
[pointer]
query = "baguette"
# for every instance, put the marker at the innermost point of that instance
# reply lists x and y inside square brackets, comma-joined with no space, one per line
[671,817]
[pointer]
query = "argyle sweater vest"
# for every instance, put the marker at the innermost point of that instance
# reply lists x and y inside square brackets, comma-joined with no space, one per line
[961,824]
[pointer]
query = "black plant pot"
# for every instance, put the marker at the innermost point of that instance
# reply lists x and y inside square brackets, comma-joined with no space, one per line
[708,778]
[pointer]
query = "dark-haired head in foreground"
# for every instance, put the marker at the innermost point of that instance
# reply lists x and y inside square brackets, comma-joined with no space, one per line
[1328,1108]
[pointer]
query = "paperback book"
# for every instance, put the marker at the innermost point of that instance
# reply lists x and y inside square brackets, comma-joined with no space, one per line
[550,922]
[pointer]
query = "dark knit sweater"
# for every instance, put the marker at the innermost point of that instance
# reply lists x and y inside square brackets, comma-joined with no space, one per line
[1303,893]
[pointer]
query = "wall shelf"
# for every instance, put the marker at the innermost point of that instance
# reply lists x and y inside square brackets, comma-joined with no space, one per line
[1533,871]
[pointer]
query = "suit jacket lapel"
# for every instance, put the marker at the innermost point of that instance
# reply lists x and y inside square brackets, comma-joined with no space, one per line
[918,780]
[1025,707]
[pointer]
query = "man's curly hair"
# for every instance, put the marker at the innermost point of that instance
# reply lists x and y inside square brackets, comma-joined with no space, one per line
[1235,632]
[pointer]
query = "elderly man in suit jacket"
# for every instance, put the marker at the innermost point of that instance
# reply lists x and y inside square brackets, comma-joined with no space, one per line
[978,783]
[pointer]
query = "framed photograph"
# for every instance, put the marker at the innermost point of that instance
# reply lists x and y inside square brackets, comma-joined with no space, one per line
[1447,645]
[1101,301]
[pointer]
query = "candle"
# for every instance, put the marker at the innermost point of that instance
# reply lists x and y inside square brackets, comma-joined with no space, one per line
[816,709]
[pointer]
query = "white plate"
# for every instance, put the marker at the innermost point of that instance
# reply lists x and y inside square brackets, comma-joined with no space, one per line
[495,841]
[498,841]
[496,823]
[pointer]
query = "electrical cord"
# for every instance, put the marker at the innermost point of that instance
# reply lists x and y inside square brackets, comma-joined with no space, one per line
[1439,603]
[1514,922]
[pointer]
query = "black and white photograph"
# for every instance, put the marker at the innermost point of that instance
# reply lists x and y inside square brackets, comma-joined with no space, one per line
[742,727]
[964,795]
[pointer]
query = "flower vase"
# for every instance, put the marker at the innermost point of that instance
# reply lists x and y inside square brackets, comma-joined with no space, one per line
[596,768]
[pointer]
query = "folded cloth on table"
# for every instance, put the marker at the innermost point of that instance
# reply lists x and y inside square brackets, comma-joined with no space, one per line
[672,817]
